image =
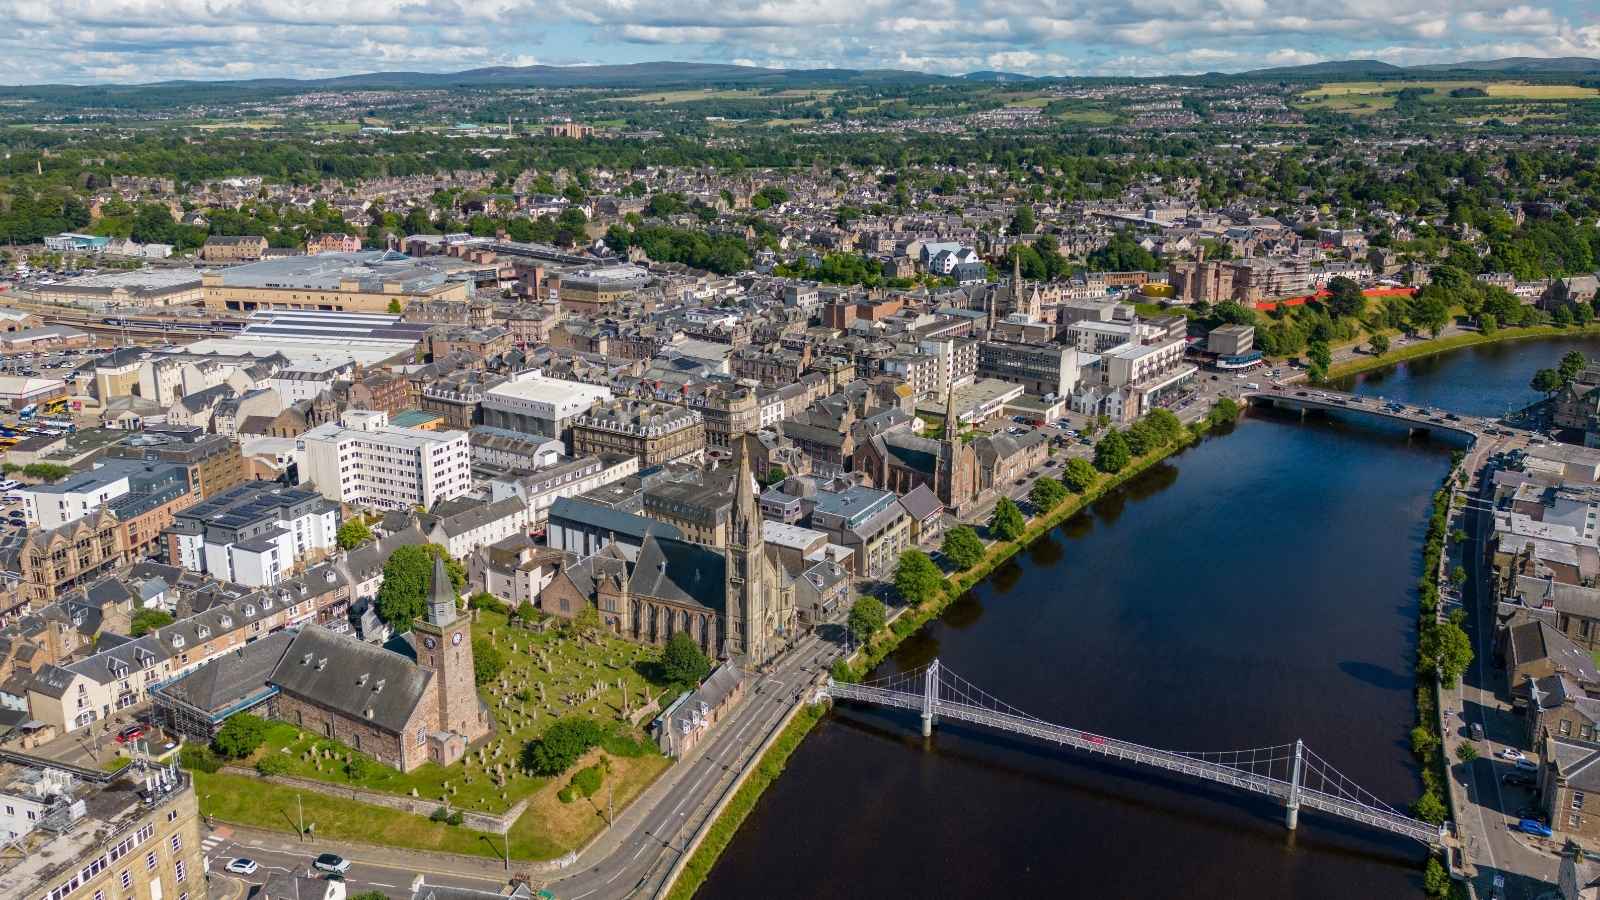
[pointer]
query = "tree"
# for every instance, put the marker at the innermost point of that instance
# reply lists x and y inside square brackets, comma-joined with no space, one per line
[867,615]
[1006,522]
[1572,365]
[1446,648]
[962,547]
[1435,880]
[1111,453]
[1022,222]
[1078,475]
[352,534]
[487,661]
[1465,752]
[240,736]
[1488,324]
[1319,355]
[1345,298]
[407,582]
[1046,494]
[1429,808]
[682,662]
[916,578]
[1431,312]
[561,744]
[1166,424]
[486,600]
[1546,381]
[1380,344]
[394,305]
[148,620]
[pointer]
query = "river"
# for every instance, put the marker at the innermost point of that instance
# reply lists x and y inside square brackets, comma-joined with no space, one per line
[1254,589]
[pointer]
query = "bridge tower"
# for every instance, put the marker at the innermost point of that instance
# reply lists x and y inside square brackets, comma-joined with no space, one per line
[1292,807]
[930,696]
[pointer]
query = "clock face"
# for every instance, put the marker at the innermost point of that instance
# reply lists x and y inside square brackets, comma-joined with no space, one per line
[455,638]
[430,643]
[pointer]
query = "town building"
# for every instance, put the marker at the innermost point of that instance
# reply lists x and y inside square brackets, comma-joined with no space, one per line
[364,461]
[253,534]
[233,248]
[656,433]
[368,282]
[533,404]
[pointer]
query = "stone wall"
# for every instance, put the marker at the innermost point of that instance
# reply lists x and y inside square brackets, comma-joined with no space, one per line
[477,821]
[383,746]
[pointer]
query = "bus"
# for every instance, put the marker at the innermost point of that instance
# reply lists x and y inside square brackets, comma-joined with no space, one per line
[66,425]
[28,411]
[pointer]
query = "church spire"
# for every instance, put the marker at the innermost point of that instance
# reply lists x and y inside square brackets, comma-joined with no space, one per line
[746,514]
[951,424]
[442,595]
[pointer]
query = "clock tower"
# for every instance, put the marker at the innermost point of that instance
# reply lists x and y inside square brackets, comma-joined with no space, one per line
[444,645]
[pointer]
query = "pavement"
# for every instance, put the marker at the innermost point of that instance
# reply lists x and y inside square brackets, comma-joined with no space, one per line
[1486,808]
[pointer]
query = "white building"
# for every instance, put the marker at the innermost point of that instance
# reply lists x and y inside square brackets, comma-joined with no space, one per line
[48,506]
[364,461]
[536,405]
[253,534]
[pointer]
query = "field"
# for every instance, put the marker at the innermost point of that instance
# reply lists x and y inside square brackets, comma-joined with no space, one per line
[1497,90]
[690,96]
[1087,116]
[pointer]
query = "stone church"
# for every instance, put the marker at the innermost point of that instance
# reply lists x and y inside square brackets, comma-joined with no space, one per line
[735,603]
[899,460]
[406,706]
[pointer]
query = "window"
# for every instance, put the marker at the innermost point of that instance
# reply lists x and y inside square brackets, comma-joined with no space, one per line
[127,881]
[1577,799]
[182,875]
[150,861]
[171,815]
[1566,727]
[177,843]
[1573,820]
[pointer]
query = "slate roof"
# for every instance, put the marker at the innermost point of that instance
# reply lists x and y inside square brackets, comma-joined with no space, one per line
[345,674]
[1578,762]
[1537,639]
[682,572]
[921,503]
[232,677]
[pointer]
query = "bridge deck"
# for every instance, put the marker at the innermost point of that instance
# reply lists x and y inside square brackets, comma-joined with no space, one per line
[1236,777]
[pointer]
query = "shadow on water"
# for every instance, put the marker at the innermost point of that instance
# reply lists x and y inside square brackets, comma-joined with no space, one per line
[1004,578]
[1377,676]
[1046,551]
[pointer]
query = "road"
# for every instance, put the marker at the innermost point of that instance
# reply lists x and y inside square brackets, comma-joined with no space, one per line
[665,823]
[279,853]
[1484,699]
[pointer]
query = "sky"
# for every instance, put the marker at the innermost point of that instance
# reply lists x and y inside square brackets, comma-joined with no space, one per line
[93,41]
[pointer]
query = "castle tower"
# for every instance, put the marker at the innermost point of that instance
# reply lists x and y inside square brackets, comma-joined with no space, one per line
[749,598]
[444,644]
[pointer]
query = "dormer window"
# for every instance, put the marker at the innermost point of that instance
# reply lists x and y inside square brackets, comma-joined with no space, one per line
[177,640]
[226,622]
[378,686]
[322,663]
[363,678]
[249,609]
[306,660]
[203,632]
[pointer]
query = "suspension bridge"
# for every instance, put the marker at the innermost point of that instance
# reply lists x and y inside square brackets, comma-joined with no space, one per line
[1289,773]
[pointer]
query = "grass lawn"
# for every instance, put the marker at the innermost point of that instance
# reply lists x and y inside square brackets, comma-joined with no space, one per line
[1417,349]
[489,780]
[115,764]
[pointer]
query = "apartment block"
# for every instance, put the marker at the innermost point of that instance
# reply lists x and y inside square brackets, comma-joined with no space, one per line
[364,461]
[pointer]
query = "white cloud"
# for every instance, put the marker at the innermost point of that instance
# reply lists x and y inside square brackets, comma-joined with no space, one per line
[123,40]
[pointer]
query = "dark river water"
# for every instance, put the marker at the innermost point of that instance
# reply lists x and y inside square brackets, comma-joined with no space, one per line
[1255,589]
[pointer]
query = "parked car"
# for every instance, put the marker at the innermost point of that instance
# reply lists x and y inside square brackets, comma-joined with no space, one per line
[131,733]
[1534,827]
[1527,765]
[1513,754]
[331,862]
[1517,779]
[242,866]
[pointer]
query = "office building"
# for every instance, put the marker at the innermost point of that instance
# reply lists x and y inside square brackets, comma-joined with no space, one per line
[364,461]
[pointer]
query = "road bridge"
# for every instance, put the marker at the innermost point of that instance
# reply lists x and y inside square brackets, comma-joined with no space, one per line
[1289,773]
[1417,418]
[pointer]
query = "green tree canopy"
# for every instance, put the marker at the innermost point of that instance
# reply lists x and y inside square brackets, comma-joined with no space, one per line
[1046,494]
[1111,453]
[916,578]
[353,533]
[1078,475]
[407,577]
[1546,381]
[867,615]
[682,662]
[1006,522]
[962,547]
[240,736]
[487,661]
[561,744]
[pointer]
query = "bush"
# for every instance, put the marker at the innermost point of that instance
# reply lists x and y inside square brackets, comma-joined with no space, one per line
[487,661]
[563,742]
[240,736]
[273,764]
[454,819]
[439,814]
[1429,808]
[486,600]
[46,471]
[623,745]
[1466,752]
[587,781]
[148,620]
[199,758]
[566,794]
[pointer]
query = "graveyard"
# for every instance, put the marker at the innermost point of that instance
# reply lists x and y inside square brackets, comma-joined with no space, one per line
[550,672]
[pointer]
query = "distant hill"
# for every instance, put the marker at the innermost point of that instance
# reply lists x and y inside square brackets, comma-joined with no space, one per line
[1514,65]
[1000,76]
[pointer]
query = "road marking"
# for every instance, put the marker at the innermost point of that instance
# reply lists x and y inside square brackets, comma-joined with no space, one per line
[585,894]
[380,884]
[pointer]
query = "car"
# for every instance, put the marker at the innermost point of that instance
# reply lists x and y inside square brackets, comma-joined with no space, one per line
[1517,779]
[1527,765]
[242,866]
[131,733]
[1021,482]
[1512,754]
[331,862]
[1534,827]
[1049,464]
